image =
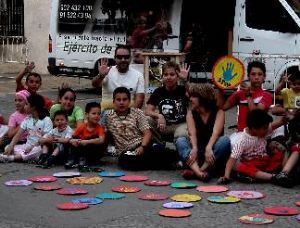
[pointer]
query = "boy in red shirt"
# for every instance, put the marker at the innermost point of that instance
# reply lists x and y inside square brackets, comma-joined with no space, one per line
[251,158]
[87,143]
[250,97]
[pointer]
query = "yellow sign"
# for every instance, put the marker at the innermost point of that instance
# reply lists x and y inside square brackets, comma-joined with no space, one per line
[228,72]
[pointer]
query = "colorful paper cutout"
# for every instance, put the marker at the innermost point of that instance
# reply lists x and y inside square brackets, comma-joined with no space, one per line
[157,183]
[111,174]
[18,183]
[88,200]
[246,194]
[72,206]
[67,174]
[256,219]
[178,205]
[47,187]
[223,199]
[152,196]
[175,213]
[84,180]
[285,211]
[43,179]
[212,189]
[133,178]
[72,191]
[126,189]
[186,198]
[110,195]
[183,185]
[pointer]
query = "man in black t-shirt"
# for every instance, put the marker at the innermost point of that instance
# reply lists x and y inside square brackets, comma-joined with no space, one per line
[171,101]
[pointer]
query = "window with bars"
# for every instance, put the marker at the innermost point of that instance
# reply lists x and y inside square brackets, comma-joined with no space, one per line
[11,18]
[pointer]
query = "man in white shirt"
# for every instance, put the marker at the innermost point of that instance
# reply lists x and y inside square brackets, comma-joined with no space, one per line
[119,75]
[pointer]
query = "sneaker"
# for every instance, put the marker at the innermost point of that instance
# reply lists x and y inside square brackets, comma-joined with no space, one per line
[6,158]
[244,179]
[50,161]
[82,163]
[42,159]
[71,164]
[111,150]
[282,179]
[177,165]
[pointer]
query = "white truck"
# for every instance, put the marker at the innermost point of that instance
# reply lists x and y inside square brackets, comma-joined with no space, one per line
[82,32]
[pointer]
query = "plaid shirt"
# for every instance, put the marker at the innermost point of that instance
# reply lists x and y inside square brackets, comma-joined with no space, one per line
[127,130]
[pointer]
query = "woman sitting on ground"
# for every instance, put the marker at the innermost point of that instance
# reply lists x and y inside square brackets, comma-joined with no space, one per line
[206,149]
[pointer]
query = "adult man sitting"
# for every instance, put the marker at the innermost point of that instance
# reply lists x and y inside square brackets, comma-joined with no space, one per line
[119,75]
[132,135]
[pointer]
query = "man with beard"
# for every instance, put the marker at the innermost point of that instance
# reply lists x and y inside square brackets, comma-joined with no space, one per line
[111,77]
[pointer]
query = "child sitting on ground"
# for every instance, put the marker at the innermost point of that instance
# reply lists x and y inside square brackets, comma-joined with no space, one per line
[3,131]
[55,143]
[249,156]
[16,119]
[87,143]
[32,84]
[36,124]
[293,142]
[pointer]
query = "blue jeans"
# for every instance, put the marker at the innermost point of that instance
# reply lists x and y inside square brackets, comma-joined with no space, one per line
[221,149]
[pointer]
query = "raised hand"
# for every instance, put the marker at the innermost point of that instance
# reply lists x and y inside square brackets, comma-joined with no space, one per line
[228,72]
[184,71]
[103,67]
[246,87]
[29,66]
[285,78]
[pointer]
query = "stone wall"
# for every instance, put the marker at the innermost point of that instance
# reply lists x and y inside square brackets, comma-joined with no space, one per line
[36,24]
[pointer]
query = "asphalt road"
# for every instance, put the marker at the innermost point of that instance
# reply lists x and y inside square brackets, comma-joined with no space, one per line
[26,207]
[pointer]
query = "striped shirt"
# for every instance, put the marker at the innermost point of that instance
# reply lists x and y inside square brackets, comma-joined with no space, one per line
[127,130]
[248,147]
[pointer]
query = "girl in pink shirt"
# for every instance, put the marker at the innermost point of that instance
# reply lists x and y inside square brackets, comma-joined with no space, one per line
[18,116]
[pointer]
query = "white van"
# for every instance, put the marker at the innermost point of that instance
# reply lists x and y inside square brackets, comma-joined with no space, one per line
[81,32]
[269,31]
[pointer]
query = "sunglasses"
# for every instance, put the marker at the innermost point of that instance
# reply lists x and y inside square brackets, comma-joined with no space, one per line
[122,57]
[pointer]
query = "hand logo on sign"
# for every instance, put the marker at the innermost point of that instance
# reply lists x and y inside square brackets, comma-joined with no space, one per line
[228,72]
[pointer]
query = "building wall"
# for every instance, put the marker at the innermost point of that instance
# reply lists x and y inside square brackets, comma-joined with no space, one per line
[36,24]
